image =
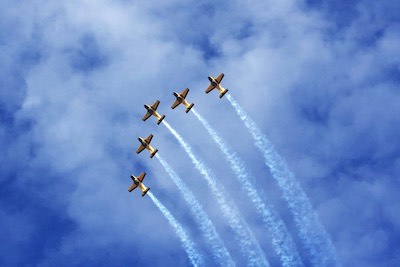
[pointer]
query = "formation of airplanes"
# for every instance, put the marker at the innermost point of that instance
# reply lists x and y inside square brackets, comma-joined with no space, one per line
[215,83]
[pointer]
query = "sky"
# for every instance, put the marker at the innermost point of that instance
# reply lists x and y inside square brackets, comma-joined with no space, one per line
[320,78]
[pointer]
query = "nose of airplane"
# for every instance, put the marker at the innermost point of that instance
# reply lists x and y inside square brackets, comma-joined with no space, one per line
[209,78]
[175,94]
[145,106]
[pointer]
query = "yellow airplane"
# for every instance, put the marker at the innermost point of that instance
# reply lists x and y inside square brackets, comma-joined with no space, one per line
[180,98]
[145,143]
[137,181]
[215,83]
[151,110]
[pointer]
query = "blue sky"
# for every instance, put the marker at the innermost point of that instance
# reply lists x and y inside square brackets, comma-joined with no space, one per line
[320,78]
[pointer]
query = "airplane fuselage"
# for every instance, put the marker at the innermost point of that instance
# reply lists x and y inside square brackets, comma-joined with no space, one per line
[152,112]
[146,145]
[140,185]
[216,84]
[181,99]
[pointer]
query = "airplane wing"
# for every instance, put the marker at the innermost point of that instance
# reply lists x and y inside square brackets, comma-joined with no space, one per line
[175,104]
[148,139]
[185,92]
[146,116]
[210,88]
[155,105]
[140,149]
[141,176]
[220,77]
[133,186]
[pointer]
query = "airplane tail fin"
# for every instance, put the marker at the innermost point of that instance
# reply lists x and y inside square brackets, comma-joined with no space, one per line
[160,120]
[145,191]
[188,109]
[152,154]
[223,93]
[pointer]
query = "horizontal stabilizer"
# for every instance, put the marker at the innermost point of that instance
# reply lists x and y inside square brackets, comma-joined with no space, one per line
[223,93]
[145,191]
[152,154]
[160,120]
[188,109]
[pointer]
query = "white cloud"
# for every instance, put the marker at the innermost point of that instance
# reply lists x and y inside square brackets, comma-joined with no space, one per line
[282,63]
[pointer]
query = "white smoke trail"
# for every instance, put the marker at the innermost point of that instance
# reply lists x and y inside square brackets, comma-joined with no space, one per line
[217,246]
[313,235]
[281,239]
[248,244]
[194,256]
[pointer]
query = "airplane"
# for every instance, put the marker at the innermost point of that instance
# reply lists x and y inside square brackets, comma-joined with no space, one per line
[145,143]
[215,83]
[137,181]
[180,98]
[151,110]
